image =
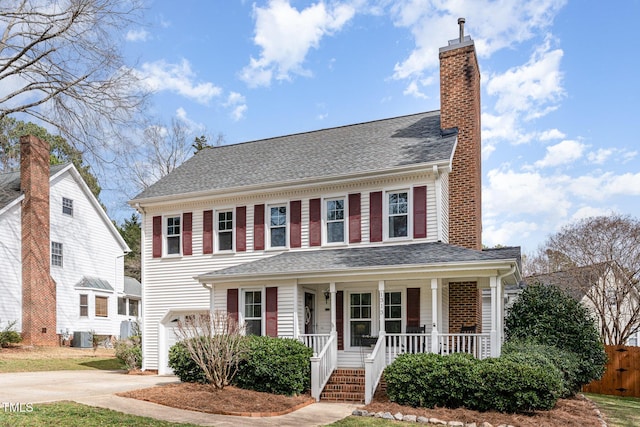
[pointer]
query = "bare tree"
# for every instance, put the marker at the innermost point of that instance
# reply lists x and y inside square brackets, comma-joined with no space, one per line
[61,63]
[161,150]
[599,259]
[215,343]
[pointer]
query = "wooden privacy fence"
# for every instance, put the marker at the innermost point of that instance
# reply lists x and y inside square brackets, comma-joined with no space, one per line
[622,373]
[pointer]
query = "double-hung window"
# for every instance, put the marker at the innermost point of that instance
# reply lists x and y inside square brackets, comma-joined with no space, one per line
[225,231]
[278,226]
[253,312]
[393,312]
[84,305]
[398,213]
[122,306]
[67,206]
[173,235]
[335,220]
[360,317]
[56,254]
[133,307]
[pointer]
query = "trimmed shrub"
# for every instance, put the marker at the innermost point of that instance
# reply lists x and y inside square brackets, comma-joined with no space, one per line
[9,335]
[184,366]
[429,380]
[565,361]
[547,315]
[275,365]
[515,386]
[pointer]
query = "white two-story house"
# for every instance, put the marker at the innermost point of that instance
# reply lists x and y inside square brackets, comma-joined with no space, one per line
[61,257]
[363,241]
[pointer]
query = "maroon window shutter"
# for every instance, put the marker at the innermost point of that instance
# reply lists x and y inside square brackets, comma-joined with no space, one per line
[207,232]
[271,326]
[241,228]
[355,234]
[258,227]
[187,233]
[315,222]
[413,307]
[419,212]
[375,215]
[295,239]
[157,236]
[232,303]
[340,318]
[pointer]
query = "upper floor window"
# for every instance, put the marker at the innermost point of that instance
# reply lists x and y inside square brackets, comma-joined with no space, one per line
[253,312]
[102,306]
[56,254]
[225,231]
[335,221]
[398,213]
[278,226]
[173,235]
[67,206]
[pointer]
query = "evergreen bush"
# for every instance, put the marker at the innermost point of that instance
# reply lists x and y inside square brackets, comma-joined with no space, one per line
[183,365]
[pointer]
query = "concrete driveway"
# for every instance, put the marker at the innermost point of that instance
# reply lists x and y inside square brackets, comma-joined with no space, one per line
[97,388]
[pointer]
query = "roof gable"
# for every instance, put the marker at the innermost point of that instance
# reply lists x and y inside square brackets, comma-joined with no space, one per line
[10,184]
[375,146]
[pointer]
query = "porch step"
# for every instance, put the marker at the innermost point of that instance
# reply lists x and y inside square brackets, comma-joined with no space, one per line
[344,385]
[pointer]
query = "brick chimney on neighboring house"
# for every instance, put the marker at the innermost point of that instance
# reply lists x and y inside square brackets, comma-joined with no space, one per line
[38,288]
[460,108]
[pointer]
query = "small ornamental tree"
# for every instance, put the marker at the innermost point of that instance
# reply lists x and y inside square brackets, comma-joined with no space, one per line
[547,315]
[215,343]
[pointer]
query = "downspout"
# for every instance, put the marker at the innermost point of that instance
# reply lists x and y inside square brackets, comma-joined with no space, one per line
[209,286]
[501,305]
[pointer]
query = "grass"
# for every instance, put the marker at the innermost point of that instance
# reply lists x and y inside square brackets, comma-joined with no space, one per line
[366,422]
[55,364]
[618,411]
[76,415]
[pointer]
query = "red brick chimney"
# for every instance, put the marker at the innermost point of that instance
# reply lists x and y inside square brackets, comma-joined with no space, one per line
[460,108]
[38,288]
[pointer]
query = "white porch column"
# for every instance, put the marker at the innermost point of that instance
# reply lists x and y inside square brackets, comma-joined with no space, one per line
[381,310]
[332,291]
[435,328]
[493,283]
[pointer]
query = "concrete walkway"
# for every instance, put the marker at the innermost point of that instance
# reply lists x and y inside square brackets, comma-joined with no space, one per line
[97,388]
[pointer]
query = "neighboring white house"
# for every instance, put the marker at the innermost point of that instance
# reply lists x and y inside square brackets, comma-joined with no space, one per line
[343,238]
[84,253]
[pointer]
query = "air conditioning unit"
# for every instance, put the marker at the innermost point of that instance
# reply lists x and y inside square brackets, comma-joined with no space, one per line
[82,339]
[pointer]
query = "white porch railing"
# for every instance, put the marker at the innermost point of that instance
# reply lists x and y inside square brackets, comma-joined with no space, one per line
[478,345]
[315,341]
[323,363]
[406,343]
[374,365]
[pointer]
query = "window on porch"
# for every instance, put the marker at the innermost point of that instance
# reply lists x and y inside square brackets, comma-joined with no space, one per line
[360,317]
[253,312]
[393,312]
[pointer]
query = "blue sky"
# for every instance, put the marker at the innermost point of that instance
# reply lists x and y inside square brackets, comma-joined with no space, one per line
[560,88]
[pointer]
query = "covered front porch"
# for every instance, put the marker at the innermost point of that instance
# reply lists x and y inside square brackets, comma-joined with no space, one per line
[359,308]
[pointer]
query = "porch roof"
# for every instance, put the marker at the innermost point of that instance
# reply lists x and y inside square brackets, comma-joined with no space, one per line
[364,258]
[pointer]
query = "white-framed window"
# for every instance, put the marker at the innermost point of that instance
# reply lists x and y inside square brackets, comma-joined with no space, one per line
[277,226]
[56,254]
[398,214]
[224,227]
[252,312]
[173,234]
[102,306]
[334,220]
[393,312]
[84,305]
[122,306]
[360,317]
[134,307]
[67,206]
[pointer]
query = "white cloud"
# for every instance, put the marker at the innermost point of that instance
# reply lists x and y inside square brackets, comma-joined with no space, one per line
[237,103]
[600,156]
[589,211]
[565,152]
[285,36]
[177,78]
[505,233]
[413,90]
[139,35]
[192,126]
[551,134]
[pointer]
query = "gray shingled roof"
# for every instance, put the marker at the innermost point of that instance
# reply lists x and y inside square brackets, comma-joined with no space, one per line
[10,184]
[132,286]
[366,147]
[94,283]
[363,257]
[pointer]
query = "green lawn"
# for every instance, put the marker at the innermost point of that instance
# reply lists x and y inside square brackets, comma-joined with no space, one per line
[75,415]
[68,364]
[366,422]
[618,411]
